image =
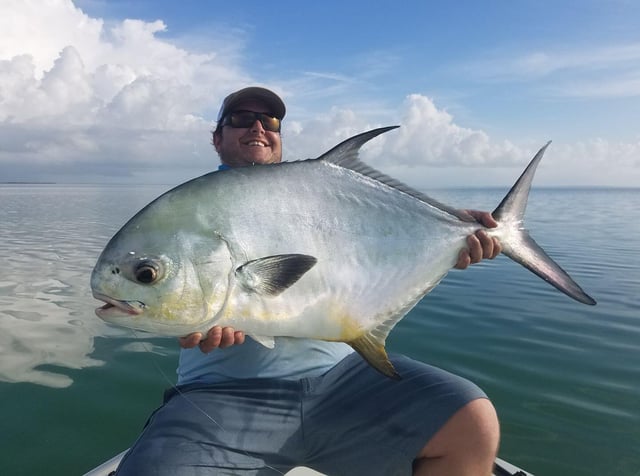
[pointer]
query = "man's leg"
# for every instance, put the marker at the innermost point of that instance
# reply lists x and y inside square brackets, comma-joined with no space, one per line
[358,422]
[222,429]
[466,445]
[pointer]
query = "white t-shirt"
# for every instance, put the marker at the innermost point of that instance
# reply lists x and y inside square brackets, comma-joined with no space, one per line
[290,359]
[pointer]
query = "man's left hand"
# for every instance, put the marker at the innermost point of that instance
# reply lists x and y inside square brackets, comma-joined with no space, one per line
[480,244]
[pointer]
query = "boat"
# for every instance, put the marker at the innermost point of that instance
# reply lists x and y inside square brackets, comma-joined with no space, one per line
[108,468]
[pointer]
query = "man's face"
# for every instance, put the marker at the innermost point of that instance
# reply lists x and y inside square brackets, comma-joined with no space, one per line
[239,147]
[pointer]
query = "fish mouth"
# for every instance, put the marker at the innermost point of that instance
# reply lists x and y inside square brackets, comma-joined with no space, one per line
[117,307]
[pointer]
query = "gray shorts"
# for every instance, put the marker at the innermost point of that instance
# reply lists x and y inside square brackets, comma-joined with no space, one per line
[350,421]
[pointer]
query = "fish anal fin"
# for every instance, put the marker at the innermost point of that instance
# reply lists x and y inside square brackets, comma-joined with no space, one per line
[372,350]
[272,275]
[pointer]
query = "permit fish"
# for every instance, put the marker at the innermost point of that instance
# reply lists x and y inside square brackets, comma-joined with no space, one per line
[326,248]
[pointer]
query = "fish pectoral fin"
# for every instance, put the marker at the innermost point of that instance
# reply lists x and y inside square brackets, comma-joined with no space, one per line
[271,275]
[373,351]
[267,341]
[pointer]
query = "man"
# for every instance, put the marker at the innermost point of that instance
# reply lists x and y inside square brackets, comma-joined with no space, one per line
[249,410]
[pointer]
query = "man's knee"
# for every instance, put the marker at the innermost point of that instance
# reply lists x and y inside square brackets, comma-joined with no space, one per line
[474,429]
[483,426]
[466,445]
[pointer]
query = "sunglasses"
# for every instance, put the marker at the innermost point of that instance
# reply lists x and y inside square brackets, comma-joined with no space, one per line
[242,119]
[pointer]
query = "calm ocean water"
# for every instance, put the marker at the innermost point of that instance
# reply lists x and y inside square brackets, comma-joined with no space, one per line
[564,377]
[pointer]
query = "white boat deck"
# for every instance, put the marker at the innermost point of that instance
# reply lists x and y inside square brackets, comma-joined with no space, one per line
[106,468]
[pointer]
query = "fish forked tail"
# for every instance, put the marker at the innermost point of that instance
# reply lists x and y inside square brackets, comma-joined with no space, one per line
[515,240]
[518,245]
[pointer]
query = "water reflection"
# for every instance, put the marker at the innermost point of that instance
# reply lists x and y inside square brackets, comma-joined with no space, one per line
[49,241]
[38,328]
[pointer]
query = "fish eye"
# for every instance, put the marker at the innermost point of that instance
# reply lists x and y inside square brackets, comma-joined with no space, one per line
[146,272]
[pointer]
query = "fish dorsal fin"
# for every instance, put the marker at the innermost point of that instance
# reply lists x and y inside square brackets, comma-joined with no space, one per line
[346,154]
[271,275]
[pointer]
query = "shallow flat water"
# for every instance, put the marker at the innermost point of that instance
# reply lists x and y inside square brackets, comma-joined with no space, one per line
[564,377]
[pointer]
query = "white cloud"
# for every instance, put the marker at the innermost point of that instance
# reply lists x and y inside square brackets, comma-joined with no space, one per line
[586,72]
[532,65]
[84,99]
[428,136]
[620,86]
[430,150]
[43,29]
[80,97]
[584,59]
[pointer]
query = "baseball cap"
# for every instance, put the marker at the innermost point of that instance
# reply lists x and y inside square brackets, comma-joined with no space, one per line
[271,99]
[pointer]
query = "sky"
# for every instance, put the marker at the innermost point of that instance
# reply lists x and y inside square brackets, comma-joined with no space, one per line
[111,91]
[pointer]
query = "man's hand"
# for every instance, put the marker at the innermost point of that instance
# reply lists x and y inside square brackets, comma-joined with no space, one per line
[481,245]
[217,337]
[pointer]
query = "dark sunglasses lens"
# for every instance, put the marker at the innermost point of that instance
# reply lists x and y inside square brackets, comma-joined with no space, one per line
[242,119]
[270,123]
[247,119]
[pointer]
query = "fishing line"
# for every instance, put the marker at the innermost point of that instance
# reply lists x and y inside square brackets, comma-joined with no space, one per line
[173,386]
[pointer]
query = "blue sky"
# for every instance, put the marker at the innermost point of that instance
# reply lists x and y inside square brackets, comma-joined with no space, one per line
[115,91]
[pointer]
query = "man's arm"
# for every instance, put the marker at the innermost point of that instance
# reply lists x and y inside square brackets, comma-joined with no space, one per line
[480,246]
